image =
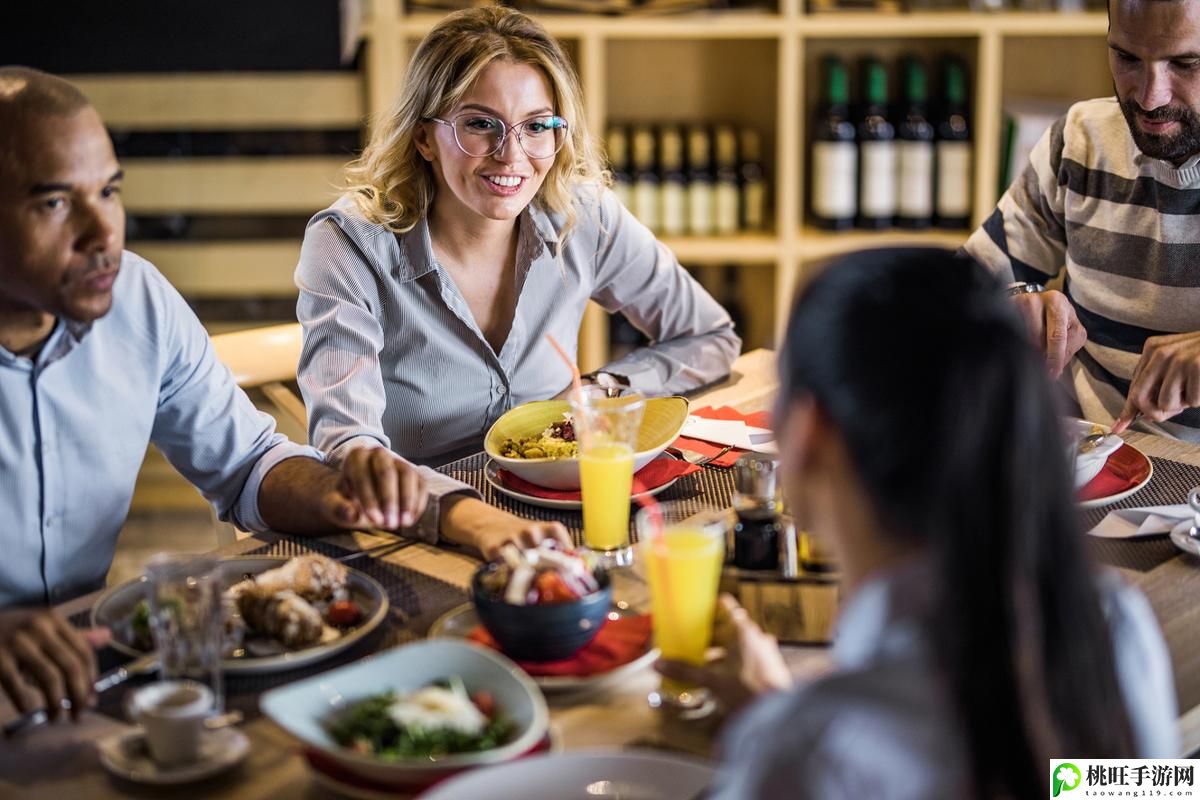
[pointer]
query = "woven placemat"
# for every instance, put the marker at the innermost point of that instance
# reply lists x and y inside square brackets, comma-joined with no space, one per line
[1169,485]
[711,486]
[416,600]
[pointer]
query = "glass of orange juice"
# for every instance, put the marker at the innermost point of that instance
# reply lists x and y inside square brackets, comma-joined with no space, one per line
[606,429]
[682,551]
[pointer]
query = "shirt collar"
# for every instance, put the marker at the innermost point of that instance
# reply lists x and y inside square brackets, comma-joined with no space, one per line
[536,231]
[64,337]
[883,616]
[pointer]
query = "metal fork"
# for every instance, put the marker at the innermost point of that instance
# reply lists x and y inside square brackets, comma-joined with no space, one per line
[699,459]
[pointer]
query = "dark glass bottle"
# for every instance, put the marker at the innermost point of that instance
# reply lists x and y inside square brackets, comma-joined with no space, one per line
[701,181]
[673,191]
[914,198]
[618,163]
[753,181]
[953,148]
[833,188]
[756,502]
[876,150]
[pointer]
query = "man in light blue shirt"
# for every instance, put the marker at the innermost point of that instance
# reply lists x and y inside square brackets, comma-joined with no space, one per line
[98,357]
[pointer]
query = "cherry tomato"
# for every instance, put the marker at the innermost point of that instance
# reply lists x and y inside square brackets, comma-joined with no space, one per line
[551,589]
[343,612]
[485,702]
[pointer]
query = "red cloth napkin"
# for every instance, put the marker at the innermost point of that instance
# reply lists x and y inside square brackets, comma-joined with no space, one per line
[759,419]
[618,642]
[1124,470]
[651,476]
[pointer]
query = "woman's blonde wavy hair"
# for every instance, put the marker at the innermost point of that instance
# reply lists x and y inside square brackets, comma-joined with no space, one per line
[394,186]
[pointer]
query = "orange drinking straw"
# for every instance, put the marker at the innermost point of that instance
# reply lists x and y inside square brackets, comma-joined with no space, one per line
[576,381]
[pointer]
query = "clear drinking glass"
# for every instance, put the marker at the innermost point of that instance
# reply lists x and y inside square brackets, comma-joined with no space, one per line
[682,551]
[606,430]
[187,618]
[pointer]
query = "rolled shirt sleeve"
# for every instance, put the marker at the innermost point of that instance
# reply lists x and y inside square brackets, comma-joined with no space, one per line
[693,342]
[339,373]
[207,427]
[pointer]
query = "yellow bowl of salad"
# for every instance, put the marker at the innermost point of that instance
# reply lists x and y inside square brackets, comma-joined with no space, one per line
[529,440]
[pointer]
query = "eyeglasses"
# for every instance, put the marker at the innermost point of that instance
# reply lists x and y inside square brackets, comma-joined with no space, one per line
[480,135]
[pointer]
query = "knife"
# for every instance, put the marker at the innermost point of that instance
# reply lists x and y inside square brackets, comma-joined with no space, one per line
[109,680]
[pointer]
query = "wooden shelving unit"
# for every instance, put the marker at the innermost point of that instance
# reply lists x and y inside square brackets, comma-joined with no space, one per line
[716,58]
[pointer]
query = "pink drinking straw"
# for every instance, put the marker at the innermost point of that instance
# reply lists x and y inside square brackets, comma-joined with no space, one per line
[576,381]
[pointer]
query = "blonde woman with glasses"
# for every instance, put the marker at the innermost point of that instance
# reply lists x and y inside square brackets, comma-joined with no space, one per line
[477,221]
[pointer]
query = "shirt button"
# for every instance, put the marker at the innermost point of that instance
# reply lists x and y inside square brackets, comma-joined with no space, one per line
[50,522]
[502,390]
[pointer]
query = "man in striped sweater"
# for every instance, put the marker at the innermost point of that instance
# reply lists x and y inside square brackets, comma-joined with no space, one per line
[1111,202]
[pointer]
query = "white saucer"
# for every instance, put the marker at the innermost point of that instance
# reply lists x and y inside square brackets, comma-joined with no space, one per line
[125,755]
[491,475]
[1181,538]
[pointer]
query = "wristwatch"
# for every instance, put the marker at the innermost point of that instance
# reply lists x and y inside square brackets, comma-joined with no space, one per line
[1024,287]
[608,380]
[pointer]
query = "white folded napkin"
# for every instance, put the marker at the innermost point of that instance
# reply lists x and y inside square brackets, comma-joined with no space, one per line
[1089,464]
[732,432]
[1130,523]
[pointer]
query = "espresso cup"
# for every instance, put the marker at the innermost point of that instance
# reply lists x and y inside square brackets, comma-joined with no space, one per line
[172,714]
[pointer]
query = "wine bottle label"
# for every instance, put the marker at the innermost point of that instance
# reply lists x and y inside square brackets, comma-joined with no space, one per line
[915,198]
[700,208]
[877,180]
[754,205]
[953,179]
[674,208]
[646,203]
[835,179]
[725,208]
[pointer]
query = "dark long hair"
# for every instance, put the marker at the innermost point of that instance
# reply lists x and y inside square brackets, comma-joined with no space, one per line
[923,366]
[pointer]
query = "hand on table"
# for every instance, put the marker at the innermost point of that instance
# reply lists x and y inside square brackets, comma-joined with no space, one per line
[752,663]
[43,660]
[378,489]
[1052,324]
[472,522]
[1166,380]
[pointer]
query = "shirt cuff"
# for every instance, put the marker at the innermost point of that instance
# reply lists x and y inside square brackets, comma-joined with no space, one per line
[337,455]
[245,513]
[428,527]
[643,378]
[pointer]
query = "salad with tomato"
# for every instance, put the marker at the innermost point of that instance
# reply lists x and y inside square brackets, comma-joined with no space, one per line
[540,575]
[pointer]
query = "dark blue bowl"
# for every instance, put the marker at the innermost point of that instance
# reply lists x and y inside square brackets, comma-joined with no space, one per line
[543,632]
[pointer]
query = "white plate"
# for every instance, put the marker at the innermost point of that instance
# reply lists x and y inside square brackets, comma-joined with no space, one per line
[491,474]
[458,622]
[116,604]
[631,774]
[304,708]
[1181,538]
[1097,502]
[125,755]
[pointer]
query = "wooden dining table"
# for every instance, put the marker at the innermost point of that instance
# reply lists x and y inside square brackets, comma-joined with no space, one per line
[60,761]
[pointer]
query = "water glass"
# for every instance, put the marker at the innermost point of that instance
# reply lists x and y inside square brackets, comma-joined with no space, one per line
[682,551]
[187,618]
[606,430]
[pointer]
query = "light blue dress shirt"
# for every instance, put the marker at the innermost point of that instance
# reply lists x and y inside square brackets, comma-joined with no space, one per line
[75,422]
[880,726]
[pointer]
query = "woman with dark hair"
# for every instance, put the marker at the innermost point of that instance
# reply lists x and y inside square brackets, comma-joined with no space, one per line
[976,639]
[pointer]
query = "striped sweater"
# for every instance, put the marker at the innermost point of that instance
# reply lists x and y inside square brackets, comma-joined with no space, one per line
[1125,228]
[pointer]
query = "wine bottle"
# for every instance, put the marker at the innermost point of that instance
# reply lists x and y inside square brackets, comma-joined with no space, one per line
[618,164]
[914,151]
[725,189]
[953,148]
[876,150]
[673,189]
[646,201]
[700,182]
[753,182]
[834,184]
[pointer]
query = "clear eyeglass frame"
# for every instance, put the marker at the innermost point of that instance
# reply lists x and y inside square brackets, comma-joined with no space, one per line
[505,129]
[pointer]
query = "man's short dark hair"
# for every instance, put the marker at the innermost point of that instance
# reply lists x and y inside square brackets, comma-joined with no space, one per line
[26,93]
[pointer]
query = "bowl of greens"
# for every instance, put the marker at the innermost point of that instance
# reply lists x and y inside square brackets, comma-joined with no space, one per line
[415,714]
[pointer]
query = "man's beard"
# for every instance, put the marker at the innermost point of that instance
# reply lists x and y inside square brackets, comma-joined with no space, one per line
[1175,148]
